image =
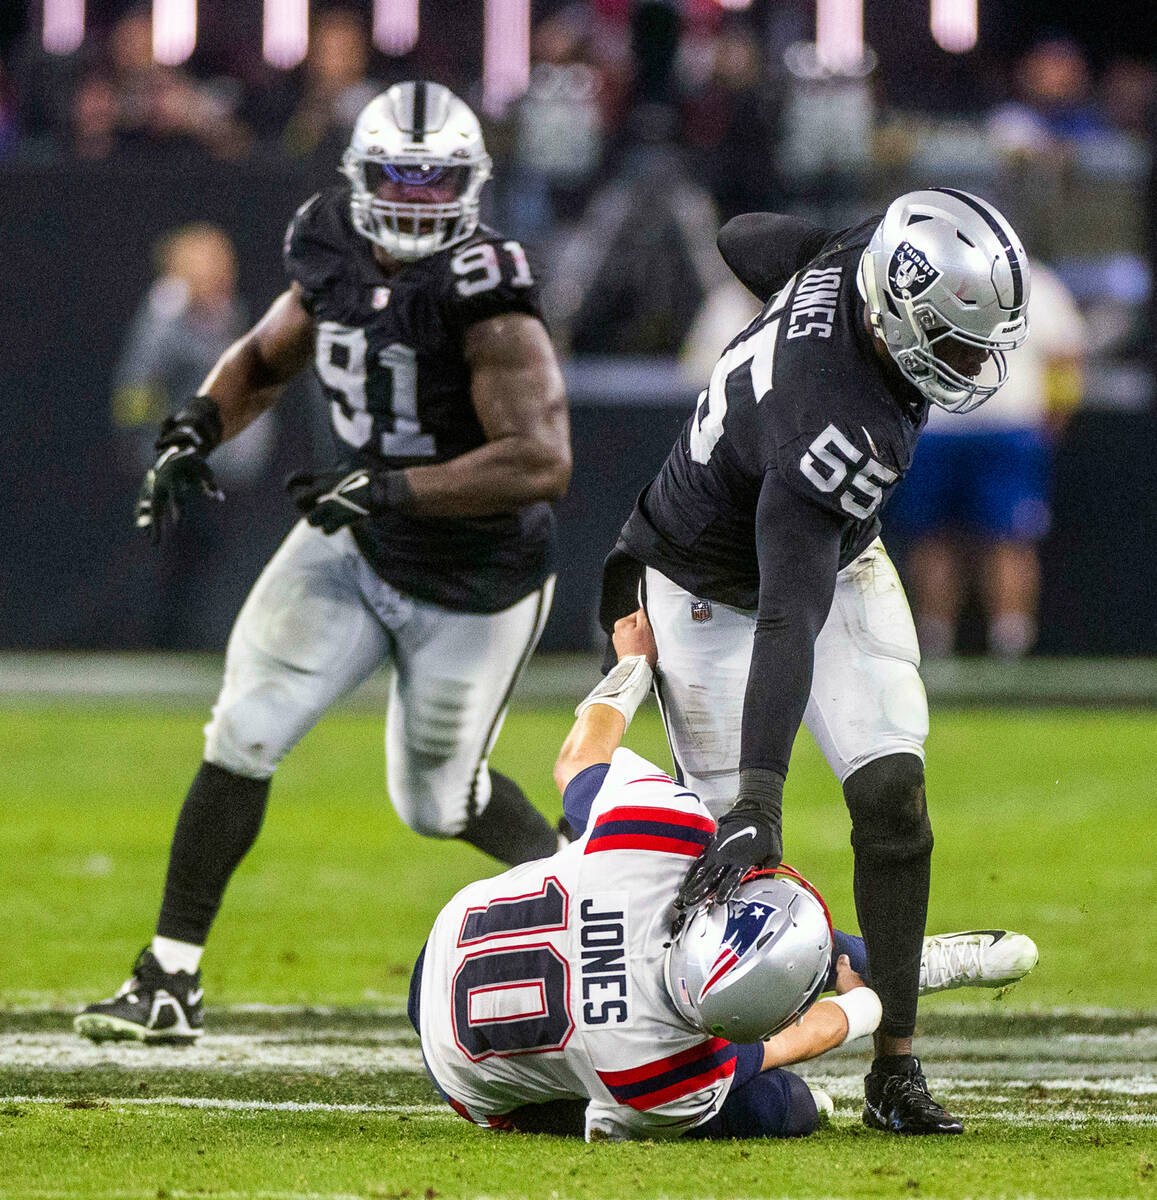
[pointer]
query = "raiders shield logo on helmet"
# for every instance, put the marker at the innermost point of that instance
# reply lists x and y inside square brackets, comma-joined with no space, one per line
[909,271]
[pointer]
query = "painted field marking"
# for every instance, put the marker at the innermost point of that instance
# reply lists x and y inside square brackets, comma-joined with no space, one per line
[228,1053]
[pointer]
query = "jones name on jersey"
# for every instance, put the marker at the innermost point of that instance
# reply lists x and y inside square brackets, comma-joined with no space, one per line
[802,392]
[546,983]
[390,359]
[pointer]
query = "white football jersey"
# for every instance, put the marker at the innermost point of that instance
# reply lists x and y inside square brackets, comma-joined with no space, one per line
[546,982]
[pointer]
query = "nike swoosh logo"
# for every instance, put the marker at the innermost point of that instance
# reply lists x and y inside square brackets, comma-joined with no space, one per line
[194,997]
[747,831]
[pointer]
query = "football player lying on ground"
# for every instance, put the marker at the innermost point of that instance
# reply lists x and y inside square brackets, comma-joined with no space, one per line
[555,998]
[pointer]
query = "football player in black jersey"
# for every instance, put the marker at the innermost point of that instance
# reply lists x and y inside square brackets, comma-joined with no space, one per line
[429,547]
[770,593]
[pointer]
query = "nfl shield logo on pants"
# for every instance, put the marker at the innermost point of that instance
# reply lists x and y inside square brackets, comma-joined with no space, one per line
[700,610]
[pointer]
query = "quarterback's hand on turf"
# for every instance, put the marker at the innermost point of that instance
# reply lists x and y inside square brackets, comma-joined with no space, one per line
[744,838]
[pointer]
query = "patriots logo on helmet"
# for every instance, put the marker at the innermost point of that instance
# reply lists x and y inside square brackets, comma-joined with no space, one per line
[909,272]
[746,920]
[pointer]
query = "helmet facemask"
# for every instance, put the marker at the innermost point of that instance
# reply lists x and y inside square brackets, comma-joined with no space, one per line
[925,366]
[411,228]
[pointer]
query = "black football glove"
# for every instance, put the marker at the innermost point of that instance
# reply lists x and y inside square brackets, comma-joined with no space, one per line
[333,499]
[180,470]
[745,837]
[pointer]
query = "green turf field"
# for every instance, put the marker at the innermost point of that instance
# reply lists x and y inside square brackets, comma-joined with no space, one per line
[1043,822]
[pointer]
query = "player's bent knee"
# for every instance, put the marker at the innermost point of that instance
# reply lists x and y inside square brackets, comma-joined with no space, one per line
[247,739]
[426,802]
[772,1104]
[888,808]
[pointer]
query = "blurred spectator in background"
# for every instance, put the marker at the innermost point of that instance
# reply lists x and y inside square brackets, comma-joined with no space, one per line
[976,500]
[94,120]
[630,277]
[129,102]
[336,88]
[559,126]
[731,125]
[191,314]
[1054,106]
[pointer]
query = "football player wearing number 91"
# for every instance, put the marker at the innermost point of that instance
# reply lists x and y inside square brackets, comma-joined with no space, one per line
[428,547]
[771,595]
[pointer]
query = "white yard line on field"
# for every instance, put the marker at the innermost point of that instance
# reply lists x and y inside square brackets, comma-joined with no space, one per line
[230,1053]
[423,1111]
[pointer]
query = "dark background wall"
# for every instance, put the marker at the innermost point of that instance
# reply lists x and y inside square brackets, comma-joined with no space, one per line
[74,262]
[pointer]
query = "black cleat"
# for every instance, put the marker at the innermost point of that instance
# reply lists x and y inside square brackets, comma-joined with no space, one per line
[901,1103]
[152,1006]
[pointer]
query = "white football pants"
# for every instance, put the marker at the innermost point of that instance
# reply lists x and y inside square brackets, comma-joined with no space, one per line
[867,699]
[318,622]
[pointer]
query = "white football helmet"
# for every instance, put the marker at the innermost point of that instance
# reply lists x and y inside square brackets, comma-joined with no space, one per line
[946,282]
[749,968]
[416,163]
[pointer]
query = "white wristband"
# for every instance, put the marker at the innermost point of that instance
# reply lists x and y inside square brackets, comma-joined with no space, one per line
[624,689]
[863,1009]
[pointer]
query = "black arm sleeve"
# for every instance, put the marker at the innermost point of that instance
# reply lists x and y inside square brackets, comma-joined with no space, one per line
[764,250]
[798,544]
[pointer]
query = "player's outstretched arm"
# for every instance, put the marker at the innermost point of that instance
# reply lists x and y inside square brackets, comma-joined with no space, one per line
[853,1013]
[602,718]
[517,390]
[798,544]
[245,381]
[249,376]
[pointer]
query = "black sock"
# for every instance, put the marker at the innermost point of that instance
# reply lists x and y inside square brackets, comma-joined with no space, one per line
[892,839]
[219,821]
[510,828]
[893,1064]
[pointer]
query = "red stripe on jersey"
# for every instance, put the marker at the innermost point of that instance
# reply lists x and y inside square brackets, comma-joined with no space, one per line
[651,779]
[646,812]
[502,1122]
[643,841]
[660,1066]
[676,1091]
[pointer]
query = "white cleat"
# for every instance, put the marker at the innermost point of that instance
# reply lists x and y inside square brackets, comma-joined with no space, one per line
[825,1108]
[977,958]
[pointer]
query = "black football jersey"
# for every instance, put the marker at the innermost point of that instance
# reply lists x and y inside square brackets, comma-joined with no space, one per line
[800,391]
[389,358]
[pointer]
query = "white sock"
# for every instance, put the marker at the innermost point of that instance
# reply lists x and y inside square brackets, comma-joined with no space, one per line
[176,956]
[1011,635]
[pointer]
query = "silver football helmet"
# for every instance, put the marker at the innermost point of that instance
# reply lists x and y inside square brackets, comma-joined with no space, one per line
[749,968]
[946,282]
[416,163]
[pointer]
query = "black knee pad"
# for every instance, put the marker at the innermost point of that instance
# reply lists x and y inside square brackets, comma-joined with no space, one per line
[889,812]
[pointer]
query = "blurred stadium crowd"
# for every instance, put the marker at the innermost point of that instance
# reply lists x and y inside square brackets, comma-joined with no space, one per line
[712,111]
[645,124]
